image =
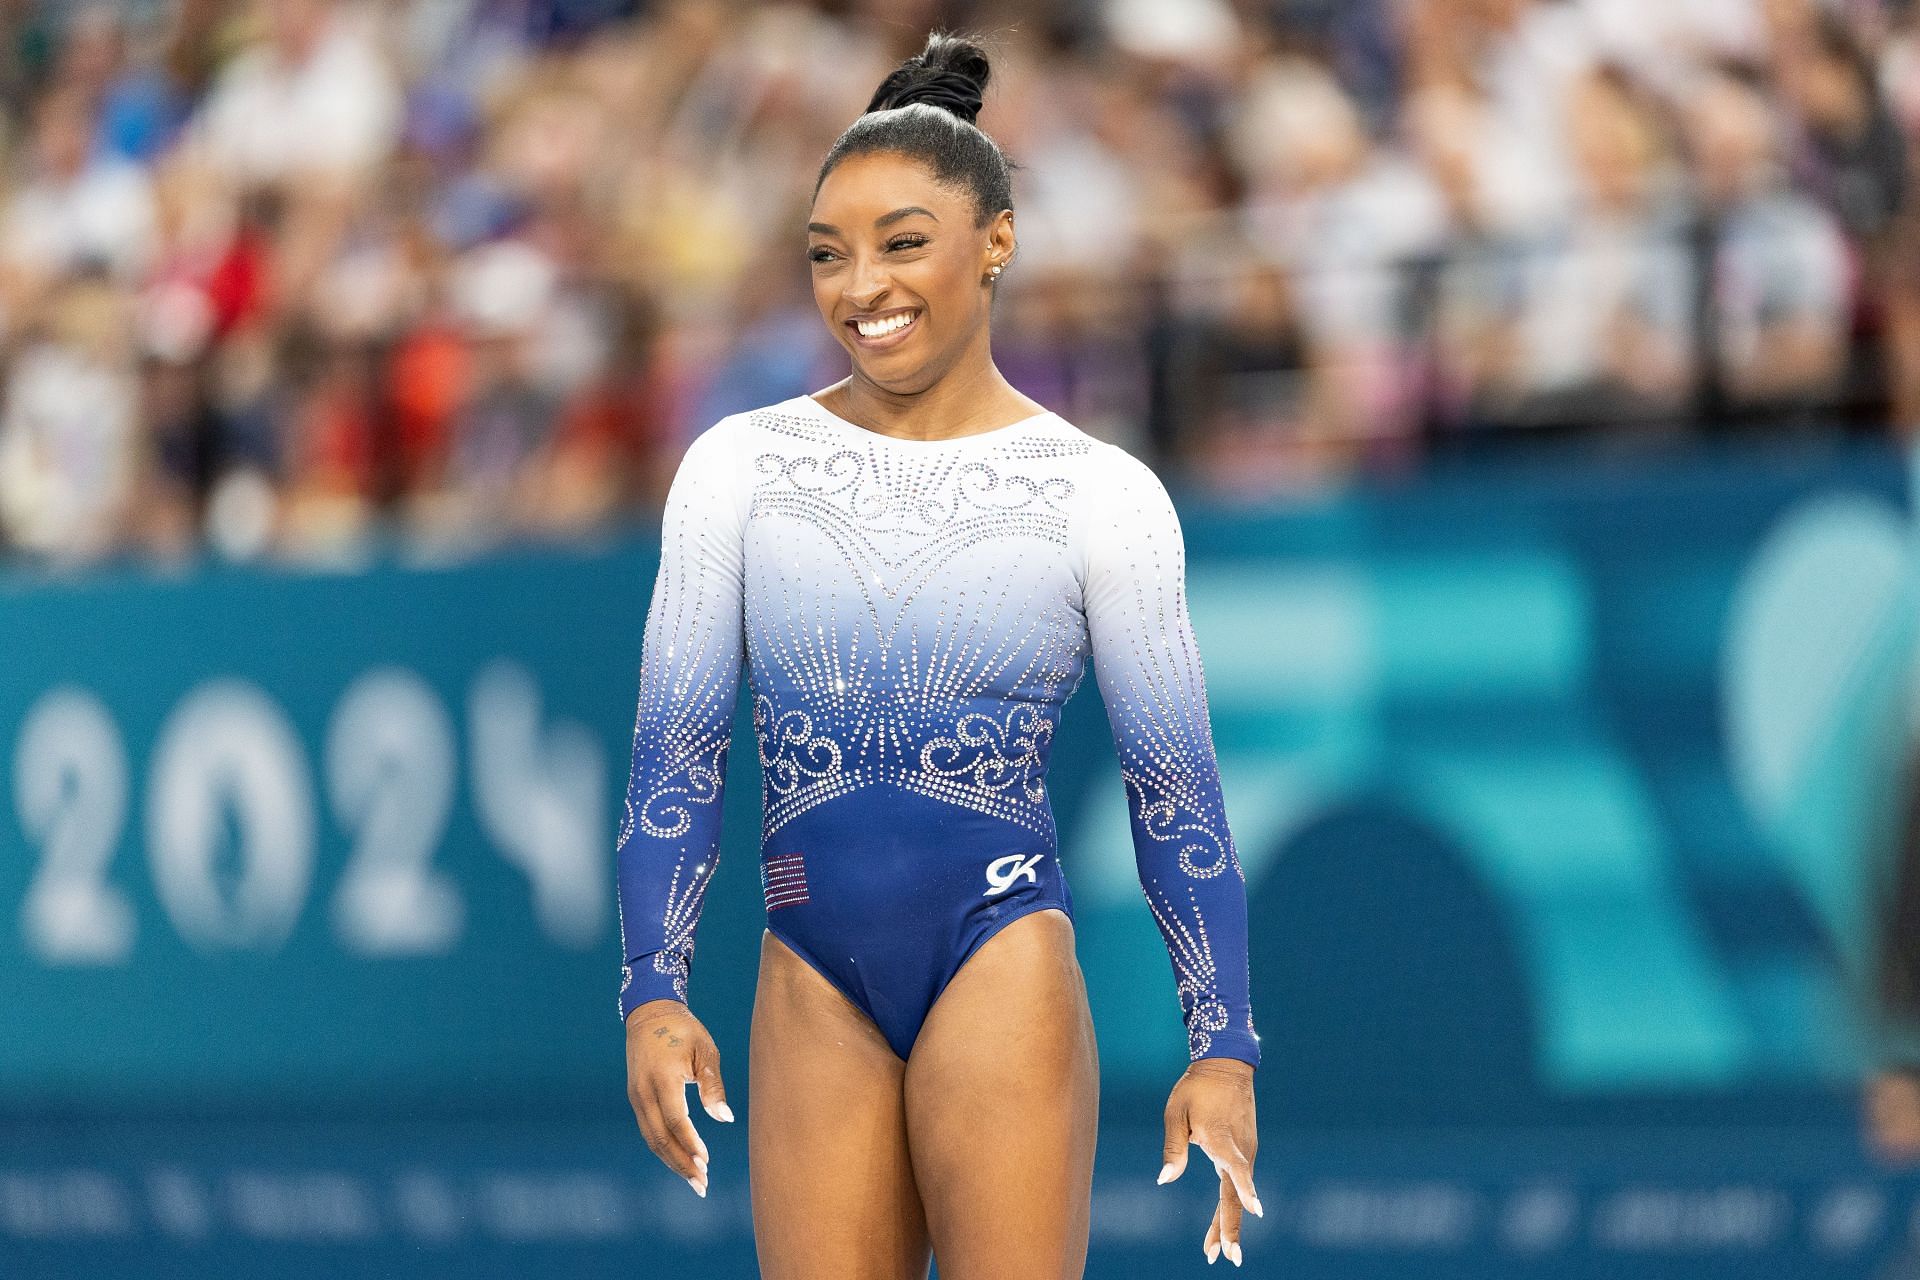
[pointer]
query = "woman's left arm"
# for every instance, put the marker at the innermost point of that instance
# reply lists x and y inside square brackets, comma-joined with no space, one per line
[1150,677]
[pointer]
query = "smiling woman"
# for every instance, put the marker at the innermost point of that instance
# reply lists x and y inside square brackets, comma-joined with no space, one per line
[916,566]
[912,226]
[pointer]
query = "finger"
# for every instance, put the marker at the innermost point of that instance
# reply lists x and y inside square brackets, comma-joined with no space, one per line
[1229,1213]
[674,1151]
[1232,1163]
[654,1129]
[673,1106]
[1174,1149]
[1211,1244]
[713,1094]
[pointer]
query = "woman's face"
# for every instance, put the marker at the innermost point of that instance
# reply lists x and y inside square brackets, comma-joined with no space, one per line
[886,241]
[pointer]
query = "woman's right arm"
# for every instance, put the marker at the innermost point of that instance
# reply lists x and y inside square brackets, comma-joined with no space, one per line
[669,842]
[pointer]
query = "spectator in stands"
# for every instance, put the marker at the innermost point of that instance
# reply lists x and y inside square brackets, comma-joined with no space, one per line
[330,445]
[1518,60]
[312,98]
[78,208]
[1346,218]
[1898,77]
[307,112]
[1248,398]
[69,449]
[1604,322]
[503,292]
[1773,267]
[1852,158]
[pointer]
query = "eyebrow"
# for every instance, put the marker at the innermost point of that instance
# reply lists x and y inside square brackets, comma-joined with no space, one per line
[884,220]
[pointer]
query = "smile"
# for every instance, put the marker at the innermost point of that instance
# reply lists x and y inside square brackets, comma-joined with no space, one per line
[885,332]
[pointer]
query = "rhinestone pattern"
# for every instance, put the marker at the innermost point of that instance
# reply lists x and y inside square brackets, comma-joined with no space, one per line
[913,616]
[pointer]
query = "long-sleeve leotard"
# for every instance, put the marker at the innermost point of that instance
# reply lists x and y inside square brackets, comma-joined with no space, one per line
[913,617]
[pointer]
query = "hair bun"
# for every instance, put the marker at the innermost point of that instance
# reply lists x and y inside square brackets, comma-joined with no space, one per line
[950,73]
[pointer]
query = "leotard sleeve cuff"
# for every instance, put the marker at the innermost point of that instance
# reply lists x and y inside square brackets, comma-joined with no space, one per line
[657,975]
[1240,1045]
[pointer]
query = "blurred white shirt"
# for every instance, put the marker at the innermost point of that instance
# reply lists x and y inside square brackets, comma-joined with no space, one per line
[104,214]
[67,463]
[337,112]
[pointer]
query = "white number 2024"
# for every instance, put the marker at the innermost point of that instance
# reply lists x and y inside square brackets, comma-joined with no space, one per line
[231,825]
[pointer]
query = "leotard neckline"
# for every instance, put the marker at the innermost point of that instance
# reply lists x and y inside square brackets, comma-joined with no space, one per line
[833,419]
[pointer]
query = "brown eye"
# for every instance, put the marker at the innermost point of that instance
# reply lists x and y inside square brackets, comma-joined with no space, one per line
[906,242]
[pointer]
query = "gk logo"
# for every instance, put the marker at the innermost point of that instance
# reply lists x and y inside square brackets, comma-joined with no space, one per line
[1002,872]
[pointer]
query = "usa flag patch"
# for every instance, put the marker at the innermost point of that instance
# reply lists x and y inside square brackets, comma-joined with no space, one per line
[783,879]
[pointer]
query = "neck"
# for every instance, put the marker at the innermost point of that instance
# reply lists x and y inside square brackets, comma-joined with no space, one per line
[972,396]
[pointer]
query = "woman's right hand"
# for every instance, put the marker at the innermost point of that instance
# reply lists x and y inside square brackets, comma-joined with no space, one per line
[668,1049]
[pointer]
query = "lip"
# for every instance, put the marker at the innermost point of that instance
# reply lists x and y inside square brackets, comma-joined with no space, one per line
[890,340]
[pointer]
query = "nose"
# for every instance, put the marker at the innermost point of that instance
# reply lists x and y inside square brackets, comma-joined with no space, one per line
[867,283]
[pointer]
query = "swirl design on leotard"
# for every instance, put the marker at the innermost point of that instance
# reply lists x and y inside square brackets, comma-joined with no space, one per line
[790,751]
[799,765]
[994,756]
[699,778]
[1203,854]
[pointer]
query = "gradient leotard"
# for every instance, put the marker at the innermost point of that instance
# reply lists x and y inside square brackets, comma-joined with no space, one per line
[913,615]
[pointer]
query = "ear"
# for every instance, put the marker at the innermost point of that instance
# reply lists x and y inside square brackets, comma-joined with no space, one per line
[1001,244]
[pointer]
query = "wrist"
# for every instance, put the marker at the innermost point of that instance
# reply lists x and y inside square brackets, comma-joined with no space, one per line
[657,975]
[653,1010]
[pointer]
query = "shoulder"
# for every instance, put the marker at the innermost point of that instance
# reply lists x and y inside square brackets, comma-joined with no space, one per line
[1122,483]
[1099,462]
[1120,507]
[720,443]
[713,462]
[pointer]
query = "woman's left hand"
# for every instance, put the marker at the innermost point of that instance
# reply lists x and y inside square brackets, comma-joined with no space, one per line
[1212,1105]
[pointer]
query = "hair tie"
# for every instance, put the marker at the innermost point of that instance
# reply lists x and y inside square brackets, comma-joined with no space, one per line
[949,90]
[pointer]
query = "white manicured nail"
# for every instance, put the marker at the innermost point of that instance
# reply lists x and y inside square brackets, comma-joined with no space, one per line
[700,1187]
[1167,1173]
[1213,1253]
[1233,1251]
[721,1111]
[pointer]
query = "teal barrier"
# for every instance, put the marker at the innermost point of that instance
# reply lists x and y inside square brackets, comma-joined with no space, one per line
[1550,785]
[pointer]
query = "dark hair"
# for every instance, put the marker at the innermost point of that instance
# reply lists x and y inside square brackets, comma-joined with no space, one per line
[925,111]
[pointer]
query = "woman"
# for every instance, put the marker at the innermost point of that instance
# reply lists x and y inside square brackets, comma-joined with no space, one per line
[915,565]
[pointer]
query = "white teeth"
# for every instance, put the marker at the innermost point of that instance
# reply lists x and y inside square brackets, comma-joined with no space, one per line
[883,327]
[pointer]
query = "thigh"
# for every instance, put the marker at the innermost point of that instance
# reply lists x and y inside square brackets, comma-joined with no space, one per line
[1002,1094]
[832,1185]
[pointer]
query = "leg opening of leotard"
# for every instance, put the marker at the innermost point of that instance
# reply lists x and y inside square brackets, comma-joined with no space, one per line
[1021,913]
[852,1000]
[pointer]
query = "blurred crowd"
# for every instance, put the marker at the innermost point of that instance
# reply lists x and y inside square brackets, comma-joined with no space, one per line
[292,277]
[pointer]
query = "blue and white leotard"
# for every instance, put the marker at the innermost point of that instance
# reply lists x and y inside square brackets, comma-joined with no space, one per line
[913,615]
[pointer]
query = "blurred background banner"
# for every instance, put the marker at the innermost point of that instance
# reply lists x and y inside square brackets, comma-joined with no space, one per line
[319,836]
[1544,791]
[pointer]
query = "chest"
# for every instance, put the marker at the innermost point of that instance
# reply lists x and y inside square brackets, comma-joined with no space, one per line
[891,535]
